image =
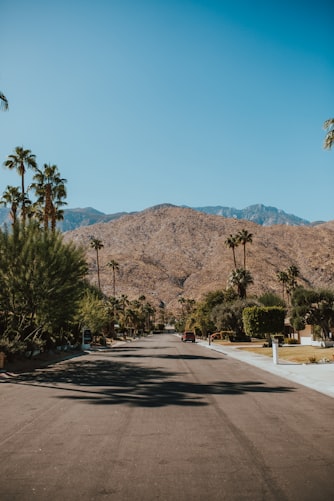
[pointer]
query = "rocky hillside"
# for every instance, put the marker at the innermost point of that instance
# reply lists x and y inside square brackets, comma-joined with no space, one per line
[167,252]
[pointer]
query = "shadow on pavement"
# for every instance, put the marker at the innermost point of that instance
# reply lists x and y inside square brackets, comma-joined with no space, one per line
[112,382]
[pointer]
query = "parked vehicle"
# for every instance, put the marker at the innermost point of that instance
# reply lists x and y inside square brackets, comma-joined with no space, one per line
[188,336]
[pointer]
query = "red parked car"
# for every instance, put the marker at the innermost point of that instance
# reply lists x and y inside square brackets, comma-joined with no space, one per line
[188,336]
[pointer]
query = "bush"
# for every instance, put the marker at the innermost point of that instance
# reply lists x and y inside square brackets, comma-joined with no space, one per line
[291,340]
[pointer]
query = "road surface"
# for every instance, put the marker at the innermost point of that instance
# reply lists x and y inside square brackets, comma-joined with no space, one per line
[158,419]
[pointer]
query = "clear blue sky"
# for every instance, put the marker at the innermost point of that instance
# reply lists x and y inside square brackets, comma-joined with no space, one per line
[141,102]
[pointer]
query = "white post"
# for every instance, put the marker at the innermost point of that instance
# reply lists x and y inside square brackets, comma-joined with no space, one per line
[275,350]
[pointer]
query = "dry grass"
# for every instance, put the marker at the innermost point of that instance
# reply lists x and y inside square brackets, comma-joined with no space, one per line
[300,354]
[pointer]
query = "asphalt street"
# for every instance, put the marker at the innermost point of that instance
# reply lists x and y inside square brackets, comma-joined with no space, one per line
[158,419]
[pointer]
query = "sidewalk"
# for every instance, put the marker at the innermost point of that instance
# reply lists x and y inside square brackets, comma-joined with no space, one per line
[319,377]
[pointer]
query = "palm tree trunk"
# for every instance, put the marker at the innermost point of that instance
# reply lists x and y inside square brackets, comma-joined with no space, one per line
[23,195]
[234,258]
[98,269]
[114,284]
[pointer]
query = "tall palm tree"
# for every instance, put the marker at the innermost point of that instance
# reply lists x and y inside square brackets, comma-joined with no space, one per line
[241,279]
[50,190]
[244,237]
[3,102]
[293,273]
[97,244]
[283,278]
[12,197]
[329,139]
[232,242]
[114,266]
[21,160]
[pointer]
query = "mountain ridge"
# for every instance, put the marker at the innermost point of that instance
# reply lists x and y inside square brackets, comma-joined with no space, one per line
[257,213]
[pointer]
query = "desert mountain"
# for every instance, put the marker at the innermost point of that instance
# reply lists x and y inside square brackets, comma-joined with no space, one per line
[167,252]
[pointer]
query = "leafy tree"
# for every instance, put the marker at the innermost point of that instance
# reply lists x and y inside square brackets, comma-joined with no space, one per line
[329,139]
[228,316]
[3,102]
[200,319]
[270,299]
[244,237]
[21,160]
[230,295]
[199,315]
[213,298]
[93,312]
[261,321]
[97,245]
[41,281]
[241,279]
[313,307]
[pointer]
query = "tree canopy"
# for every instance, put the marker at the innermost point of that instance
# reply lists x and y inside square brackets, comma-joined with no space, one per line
[41,282]
[313,307]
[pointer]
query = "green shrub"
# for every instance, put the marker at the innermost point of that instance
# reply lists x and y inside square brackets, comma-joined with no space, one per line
[291,340]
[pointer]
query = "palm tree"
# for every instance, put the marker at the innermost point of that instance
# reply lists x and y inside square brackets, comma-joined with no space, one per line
[232,242]
[283,278]
[97,245]
[115,266]
[293,273]
[241,279]
[244,237]
[21,160]
[288,280]
[59,193]
[3,102]
[132,319]
[146,311]
[50,190]
[11,196]
[329,139]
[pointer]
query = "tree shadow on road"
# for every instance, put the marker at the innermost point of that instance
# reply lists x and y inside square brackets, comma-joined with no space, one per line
[112,382]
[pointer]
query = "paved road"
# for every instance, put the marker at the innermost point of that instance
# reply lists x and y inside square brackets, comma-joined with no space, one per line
[161,420]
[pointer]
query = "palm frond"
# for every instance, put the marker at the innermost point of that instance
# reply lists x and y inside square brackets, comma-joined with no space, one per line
[3,102]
